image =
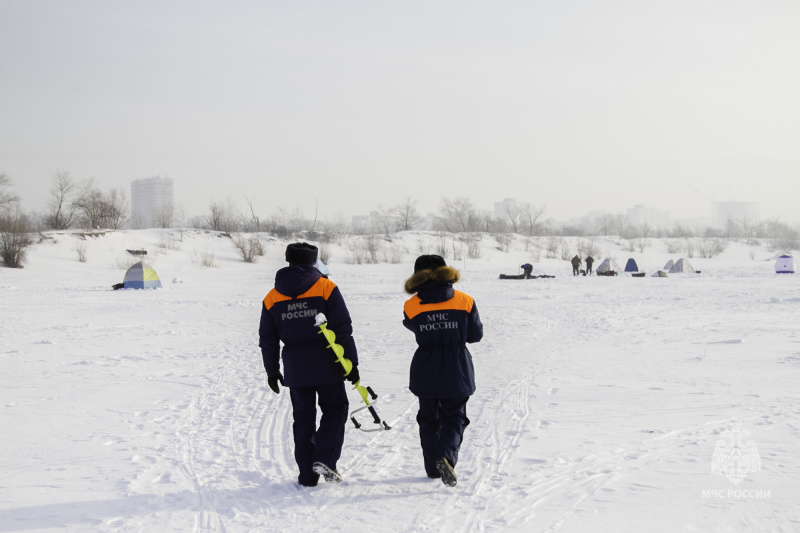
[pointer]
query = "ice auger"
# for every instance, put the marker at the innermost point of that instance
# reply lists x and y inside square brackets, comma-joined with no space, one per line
[366,393]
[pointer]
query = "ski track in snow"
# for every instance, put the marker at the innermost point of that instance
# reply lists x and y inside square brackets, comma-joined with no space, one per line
[598,406]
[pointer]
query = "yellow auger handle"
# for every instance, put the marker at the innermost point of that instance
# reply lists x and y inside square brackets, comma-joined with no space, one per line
[365,392]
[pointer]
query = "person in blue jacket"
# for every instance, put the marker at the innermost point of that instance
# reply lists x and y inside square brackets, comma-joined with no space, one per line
[310,370]
[442,377]
[527,268]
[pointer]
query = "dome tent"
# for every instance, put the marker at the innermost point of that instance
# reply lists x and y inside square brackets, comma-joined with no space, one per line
[682,265]
[784,264]
[631,265]
[608,267]
[140,276]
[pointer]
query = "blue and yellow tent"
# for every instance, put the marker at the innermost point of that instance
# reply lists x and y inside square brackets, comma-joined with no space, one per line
[141,276]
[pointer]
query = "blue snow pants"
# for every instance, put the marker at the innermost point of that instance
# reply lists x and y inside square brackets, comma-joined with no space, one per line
[323,444]
[441,429]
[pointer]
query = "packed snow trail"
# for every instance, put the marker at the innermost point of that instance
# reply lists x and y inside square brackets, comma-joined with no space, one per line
[598,406]
[231,453]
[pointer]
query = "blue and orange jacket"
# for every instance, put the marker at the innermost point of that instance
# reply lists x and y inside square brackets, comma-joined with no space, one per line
[443,320]
[287,317]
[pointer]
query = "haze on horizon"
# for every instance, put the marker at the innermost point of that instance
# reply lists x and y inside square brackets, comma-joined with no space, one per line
[580,106]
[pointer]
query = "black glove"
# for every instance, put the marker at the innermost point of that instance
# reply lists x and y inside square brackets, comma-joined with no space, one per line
[273,382]
[353,376]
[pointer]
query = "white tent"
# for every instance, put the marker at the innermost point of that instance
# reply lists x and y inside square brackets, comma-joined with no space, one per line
[784,264]
[608,267]
[682,265]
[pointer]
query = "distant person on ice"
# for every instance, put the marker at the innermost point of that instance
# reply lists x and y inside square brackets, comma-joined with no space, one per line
[442,377]
[589,261]
[576,265]
[527,268]
[312,374]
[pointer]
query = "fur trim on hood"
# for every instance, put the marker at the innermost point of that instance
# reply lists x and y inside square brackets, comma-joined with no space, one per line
[445,273]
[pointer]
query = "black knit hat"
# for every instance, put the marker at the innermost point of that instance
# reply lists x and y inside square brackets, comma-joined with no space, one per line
[301,253]
[428,262]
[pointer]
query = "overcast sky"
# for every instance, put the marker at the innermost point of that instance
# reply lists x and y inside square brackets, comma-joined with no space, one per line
[575,105]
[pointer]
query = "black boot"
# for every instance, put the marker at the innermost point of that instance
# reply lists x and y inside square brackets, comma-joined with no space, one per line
[330,475]
[446,470]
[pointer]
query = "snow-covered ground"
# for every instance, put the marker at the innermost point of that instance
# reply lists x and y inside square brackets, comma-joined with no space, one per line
[600,401]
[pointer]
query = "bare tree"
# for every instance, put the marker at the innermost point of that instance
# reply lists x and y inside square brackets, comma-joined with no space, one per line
[164,217]
[249,247]
[15,236]
[749,227]
[231,218]
[605,224]
[278,222]
[459,215]
[61,211]
[313,227]
[80,249]
[372,246]
[89,203]
[385,220]
[473,241]
[513,214]
[256,222]
[214,216]
[504,241]
[621,225]
[531,215]
[7,199]
[553,245]
[115,211]
[406,214]
[222,216]
[334,228]
[298,220]
[681,231]
[489,224]
[97,209]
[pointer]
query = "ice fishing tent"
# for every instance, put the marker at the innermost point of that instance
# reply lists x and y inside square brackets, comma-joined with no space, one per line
[608,267]
[141,276]
[631,266]
[784,264]
[668,266]
[682,265]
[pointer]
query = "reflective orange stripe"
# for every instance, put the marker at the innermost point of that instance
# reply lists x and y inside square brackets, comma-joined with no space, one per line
[323,288]
[459,302]
[274,297]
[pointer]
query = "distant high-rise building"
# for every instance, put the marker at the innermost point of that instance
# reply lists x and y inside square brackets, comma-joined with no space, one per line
[151,202]
[639,215]
[742,212]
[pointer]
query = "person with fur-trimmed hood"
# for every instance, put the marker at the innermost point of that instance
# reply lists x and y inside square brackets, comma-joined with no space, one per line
[312,374]
[442,377]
